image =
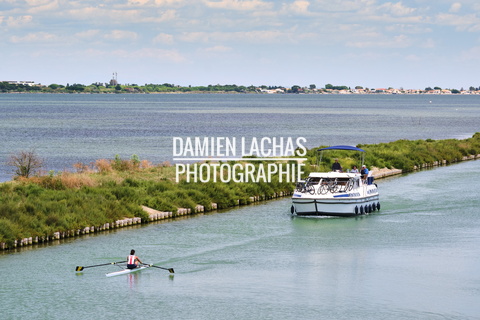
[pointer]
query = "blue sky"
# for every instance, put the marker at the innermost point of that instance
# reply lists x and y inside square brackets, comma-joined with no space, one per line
[371,43]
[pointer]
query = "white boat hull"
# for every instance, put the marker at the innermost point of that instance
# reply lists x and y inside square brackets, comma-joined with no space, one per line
[335,194]
[334,206]
[126,271]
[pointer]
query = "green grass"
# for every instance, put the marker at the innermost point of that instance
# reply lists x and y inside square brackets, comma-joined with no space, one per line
[40,206]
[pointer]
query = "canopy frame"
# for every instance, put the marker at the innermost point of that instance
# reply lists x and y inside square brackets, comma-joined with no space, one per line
[339,147]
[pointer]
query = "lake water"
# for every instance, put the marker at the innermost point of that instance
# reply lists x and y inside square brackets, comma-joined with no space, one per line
[68,128]
[416,259]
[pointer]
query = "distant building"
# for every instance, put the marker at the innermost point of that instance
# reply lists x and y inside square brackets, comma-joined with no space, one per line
[114,81]
[25,83]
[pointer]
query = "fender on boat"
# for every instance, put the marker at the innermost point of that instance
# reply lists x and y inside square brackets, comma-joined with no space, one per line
[356,209]
[292,209]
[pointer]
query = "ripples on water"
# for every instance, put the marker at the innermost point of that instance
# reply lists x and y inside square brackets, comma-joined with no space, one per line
[416,259]
[65,129]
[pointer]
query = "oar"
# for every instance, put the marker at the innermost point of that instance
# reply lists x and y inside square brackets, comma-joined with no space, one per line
[169,269]
[80,268]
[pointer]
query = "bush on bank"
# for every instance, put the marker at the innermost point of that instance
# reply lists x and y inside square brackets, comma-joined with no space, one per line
[116,189]
[406,155]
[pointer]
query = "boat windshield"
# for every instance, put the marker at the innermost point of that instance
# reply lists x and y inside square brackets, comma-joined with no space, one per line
[339,150]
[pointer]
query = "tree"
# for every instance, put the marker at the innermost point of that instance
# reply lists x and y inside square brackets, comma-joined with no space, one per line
[76,87]
[295,89]
[55,86]
[25,163]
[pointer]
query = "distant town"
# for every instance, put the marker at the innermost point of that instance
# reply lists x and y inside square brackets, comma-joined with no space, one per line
[114,87]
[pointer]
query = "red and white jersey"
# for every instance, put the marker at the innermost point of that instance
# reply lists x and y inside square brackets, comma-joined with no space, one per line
[131,259]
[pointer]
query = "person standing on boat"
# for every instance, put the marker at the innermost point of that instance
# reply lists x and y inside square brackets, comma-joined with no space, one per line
[133,260]
[354,169]
[364,172]
[336,166]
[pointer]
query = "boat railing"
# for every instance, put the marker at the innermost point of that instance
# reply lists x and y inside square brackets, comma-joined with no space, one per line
[326,185]
[300,186]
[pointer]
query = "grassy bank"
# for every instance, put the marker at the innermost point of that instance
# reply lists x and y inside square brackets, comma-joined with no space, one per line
[115,189]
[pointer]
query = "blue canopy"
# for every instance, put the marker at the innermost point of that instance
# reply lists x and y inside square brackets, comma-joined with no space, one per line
[342,148]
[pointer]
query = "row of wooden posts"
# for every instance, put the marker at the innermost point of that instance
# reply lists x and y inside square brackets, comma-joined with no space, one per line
[153,215]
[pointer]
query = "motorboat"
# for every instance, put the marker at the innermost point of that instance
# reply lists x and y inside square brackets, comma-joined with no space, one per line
[335,193]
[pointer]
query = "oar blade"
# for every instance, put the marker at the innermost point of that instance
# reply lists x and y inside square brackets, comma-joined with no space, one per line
[79,268]
[169,269]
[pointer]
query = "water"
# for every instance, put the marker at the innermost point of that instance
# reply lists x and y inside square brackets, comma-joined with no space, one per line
[69,128]
[416,259]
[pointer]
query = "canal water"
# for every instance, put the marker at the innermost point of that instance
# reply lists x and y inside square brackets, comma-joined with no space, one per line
[416,259]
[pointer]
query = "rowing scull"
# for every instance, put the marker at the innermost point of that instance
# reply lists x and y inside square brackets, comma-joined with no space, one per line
[126,271]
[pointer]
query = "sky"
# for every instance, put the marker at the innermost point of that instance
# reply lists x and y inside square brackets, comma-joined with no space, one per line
[410,44]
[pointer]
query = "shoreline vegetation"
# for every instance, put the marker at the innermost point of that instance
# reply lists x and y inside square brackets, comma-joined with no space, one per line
[110,194]
[115,88]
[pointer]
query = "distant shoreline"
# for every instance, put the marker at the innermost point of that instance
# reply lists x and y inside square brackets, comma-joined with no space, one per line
[114,87]
[250,93]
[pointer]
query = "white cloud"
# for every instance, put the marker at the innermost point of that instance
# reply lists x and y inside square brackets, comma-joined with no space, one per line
[218,28]
[150,53]
[468,22]
[36,37]
[105,15]
[396,9]
[87,34]
[240,5]
[215,52]
[297,7]
[170,3]
[400,41]
[217,49]
[455,7]
[409,28]
[121,35]
[137,2]
[256,36]
[156,3]
[36,3]
[168,15]
[16,22]
[346,5]
[37,6]
[163,38]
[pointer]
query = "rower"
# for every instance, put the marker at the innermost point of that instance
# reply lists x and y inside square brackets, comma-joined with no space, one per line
[133,260]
